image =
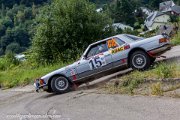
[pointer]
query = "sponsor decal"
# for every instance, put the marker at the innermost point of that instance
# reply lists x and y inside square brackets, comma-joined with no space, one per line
[117,50]
[97,61]
[112,43]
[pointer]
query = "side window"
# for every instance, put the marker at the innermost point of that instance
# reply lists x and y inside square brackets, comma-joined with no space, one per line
[92,51]
[120,42]
[96,49]
[102,47]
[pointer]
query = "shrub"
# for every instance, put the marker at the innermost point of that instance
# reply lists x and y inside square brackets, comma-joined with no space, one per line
[133,81]
[165,71]
[8,61]
[176,39]
[66,28]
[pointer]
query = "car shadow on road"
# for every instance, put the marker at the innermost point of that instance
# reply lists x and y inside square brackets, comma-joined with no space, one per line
[49,95]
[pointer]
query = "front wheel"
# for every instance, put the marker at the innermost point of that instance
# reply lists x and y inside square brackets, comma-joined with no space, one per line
[60,85]
[140,60]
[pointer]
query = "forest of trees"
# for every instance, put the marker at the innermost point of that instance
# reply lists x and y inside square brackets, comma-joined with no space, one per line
[24,23]
[17,21]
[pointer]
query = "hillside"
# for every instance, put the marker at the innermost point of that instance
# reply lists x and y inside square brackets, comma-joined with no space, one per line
[17,21]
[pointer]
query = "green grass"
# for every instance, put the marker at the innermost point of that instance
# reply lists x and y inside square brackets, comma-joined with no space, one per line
[176,39]
[145,81]
[156,89]
[24,74]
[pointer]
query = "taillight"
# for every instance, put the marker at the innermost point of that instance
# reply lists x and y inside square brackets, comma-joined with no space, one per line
[162,40]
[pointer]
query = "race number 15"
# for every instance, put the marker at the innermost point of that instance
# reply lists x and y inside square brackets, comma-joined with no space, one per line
[96,62]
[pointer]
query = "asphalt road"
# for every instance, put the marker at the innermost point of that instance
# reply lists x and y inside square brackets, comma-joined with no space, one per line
[87,104]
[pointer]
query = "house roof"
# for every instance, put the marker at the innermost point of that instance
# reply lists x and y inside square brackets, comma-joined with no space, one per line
[146,10]
[122,26]
[166,6]
[150,19]
[176,9]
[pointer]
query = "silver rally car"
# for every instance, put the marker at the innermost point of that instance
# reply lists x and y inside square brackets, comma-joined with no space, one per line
[105,57]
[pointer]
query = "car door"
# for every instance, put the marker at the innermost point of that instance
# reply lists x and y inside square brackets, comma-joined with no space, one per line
[94,60]
[106,58]
[117,49]
[84,68]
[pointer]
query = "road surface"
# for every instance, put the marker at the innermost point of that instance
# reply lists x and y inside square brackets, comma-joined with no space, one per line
[87,104]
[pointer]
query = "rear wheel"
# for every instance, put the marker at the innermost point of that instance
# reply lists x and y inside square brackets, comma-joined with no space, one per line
[140,60]
[60,85]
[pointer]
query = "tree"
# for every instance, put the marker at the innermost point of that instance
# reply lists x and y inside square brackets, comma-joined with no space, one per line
[20,16]
[66,28]
[123,11]
[7,22]
[2,10]
[13,47]
[2,29]
[155,3]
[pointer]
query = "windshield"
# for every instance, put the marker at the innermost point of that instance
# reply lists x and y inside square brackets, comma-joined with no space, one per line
[134,38]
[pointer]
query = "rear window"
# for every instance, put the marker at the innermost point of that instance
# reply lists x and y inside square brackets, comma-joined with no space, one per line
[132,37]
[120,42]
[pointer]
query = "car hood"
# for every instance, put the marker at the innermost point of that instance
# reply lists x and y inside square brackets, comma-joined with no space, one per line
[47,76]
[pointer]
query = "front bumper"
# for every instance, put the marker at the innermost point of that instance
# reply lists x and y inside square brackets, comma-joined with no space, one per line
[38,84]
[158,51]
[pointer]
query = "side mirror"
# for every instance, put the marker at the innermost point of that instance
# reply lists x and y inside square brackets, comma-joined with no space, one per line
[83,58]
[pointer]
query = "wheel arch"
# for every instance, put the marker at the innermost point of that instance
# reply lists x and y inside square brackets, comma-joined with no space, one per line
[134,50]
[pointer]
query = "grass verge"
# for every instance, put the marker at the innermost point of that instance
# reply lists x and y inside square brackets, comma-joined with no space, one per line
[161,78]
[176,39]
[24,74]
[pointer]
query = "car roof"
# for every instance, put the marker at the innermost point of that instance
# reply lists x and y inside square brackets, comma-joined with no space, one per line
[104,39]
[119,36]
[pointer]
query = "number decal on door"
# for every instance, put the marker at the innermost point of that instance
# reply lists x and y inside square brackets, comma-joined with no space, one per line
[97,62]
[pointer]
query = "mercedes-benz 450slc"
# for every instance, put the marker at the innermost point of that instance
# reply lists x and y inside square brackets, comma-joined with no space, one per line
[105,57]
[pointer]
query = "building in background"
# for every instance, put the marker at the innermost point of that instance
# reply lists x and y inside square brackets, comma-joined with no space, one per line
[20,57]
[166,6]
[169,7]
[156,19]
[121,26]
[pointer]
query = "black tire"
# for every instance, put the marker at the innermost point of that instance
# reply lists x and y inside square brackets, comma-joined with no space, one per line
[152,59]
[60,85]
[140,60]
